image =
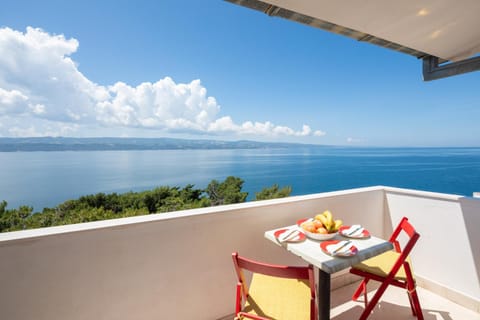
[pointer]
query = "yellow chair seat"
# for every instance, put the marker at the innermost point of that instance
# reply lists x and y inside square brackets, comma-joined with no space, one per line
[279,298]
[382,264]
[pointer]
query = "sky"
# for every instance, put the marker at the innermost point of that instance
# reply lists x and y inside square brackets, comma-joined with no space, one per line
[214,70]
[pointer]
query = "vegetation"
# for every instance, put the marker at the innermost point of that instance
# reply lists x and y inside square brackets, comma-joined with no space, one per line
[103,206]
[273,192]
[226,192]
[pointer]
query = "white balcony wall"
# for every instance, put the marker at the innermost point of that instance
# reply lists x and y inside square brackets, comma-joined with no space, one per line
[174,265]
[446,258]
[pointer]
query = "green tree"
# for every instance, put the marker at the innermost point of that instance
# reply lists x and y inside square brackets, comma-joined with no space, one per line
[103,206]
[13,219]
[273,192]
[226,192]
[155,199]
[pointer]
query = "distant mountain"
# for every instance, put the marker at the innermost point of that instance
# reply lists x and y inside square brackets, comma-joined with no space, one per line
[97,144]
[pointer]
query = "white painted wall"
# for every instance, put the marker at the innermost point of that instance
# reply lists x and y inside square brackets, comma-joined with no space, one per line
[178,265]
[173,265]
[448,251]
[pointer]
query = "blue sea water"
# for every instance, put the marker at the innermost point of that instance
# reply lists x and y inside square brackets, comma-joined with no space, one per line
[45,179]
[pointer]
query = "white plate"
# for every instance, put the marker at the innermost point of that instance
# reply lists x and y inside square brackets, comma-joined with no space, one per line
[319,236]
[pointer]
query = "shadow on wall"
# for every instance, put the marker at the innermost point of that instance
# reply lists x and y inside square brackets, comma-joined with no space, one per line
[471,216]
[387,219]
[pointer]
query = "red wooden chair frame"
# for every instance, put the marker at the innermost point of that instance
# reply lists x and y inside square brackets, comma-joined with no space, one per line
[408,284]
[291,272]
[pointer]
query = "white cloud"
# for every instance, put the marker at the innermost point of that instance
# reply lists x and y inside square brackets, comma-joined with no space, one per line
[37,109]
[37,128]
[23,132]
[12,101]
[37,66]
[42,88]
[224,124]
[354,140]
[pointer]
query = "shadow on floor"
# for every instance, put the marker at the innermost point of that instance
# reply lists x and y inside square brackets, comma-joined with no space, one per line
[343,308]
[387,310]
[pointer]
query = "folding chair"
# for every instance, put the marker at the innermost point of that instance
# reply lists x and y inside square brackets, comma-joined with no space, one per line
[275,291]
[390,268]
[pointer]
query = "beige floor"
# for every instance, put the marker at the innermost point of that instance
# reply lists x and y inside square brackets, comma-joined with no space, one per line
[394,305]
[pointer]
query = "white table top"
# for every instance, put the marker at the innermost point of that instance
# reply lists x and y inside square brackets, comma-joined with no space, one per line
[310,251]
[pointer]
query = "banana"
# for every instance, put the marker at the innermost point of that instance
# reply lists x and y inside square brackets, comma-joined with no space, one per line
[323,219]
[328,215]
[338,223]
[326,218]
[329,224]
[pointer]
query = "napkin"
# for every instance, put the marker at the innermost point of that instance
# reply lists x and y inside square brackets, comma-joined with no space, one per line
[346,249]
[356,229]
[289,234]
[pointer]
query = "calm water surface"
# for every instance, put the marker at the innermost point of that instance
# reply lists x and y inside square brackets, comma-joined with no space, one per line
[45,179]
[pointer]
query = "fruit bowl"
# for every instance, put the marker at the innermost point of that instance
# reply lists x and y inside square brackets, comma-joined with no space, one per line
[319,236]
[320,227]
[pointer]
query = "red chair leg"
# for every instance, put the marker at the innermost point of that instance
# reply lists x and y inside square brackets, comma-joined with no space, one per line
[365,296]
[412,307]
[412,293]
[361,288]
[238,302]
[416,304]
[374,301]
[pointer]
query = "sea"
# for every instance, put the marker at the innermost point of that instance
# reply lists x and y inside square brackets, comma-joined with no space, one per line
[46,179]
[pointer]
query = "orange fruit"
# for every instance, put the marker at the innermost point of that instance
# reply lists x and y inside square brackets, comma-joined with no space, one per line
[309,226]
[317,224]
[322,230]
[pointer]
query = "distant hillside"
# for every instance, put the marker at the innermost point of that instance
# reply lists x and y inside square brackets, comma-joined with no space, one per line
[92,144]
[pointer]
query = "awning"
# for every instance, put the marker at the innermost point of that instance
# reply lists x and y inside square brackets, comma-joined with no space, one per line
[436,31]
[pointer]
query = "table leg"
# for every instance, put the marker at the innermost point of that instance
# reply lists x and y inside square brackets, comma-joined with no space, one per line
[323,295]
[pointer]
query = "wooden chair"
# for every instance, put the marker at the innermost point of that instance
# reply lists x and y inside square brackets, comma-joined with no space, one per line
[275,291]
[390,268]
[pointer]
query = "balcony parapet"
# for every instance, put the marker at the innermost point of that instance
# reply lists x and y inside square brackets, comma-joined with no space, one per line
[143,266]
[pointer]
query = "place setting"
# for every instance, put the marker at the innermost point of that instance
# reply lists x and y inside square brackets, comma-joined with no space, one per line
[339,248]
[355,231]
[289,235]
[324,228]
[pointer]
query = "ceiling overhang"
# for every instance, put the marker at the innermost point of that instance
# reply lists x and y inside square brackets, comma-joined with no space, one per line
[444,34]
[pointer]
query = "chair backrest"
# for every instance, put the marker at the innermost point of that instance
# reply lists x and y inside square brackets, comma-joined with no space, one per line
[413,236]
[291,272]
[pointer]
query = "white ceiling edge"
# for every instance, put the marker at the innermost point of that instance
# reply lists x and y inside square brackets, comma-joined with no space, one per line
[448,29]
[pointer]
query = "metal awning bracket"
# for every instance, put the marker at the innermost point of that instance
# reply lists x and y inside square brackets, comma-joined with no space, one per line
[433,70]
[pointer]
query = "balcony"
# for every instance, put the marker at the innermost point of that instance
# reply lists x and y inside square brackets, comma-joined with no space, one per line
[178,265]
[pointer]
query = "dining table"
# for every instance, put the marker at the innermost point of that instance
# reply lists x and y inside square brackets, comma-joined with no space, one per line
[310,251]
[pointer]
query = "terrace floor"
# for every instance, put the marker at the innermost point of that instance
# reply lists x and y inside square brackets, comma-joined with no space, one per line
[394,305]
